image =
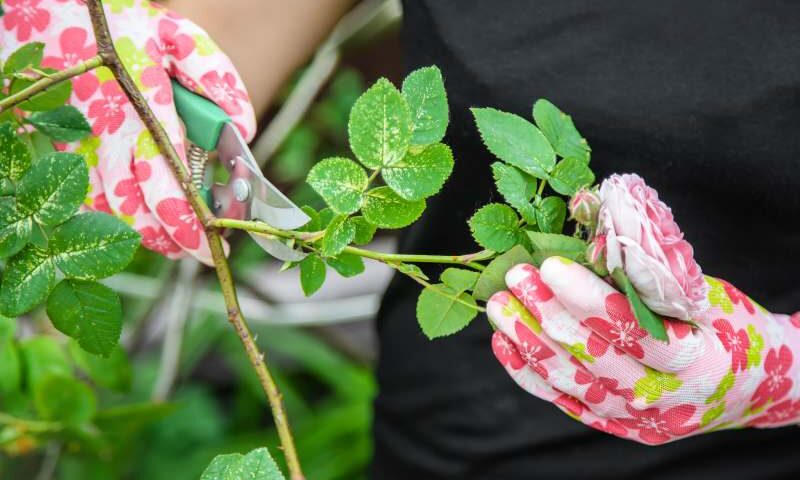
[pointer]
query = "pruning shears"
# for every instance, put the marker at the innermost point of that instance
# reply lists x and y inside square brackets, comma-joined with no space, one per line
[247,195]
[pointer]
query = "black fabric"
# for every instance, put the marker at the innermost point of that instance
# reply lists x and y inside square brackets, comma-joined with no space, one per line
[702,98]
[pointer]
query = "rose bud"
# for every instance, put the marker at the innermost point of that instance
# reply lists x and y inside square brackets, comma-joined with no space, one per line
[596,255]
[583,207]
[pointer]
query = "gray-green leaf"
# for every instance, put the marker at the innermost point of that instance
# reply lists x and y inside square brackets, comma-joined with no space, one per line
[570,175]
[312,274]
[386,209]
[420,174]
[551,214]
[340,182]
[93,245]
[560,131]
[493,278]
[441,315]
[380,126]
[515,140]
[28,278]
[495,226]
[424,90]
[15,157]
[87,311]
[64,124]
[338,235]
[54,187]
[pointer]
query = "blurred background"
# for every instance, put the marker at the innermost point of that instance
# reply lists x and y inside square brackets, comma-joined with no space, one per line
[181,390]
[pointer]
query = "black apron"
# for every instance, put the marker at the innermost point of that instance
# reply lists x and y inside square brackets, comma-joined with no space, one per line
[701,98]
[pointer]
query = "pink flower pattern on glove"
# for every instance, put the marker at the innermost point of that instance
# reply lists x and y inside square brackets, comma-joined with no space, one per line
[733,367]
[128,176]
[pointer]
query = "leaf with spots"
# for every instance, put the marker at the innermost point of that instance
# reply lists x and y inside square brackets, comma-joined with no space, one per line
[54,187]
[517,188]
[87,311]
[379,127]
[340,182]
[338,235]
[365,231]
[27,280]
[15,228]
[256,465]
[420,173]
[427,99]
[15,157]
[93,245]
[386,209]
[551,214]
[570,175]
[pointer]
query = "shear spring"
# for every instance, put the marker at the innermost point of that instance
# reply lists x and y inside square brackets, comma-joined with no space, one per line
[198,158]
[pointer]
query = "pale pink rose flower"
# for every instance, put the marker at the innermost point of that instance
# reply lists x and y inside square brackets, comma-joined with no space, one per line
[643,239]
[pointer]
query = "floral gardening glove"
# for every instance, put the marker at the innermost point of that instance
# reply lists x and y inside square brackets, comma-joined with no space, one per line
[568,337]
[128,176]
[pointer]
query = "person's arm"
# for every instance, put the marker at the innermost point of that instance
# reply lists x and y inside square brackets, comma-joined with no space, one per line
[266,39]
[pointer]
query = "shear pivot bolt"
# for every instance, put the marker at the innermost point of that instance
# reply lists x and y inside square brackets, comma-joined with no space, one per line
[241,190]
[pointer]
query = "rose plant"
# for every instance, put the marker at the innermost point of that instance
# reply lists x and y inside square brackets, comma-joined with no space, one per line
[399,160]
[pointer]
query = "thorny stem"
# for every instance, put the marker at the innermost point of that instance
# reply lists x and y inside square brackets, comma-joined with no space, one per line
[48,81]
[468,260]
[110,59]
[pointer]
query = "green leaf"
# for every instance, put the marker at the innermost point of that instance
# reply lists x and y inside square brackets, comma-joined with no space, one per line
[325,217]
[54,187]
[380,126]
[114,372]
[551,214]
[64,399]
[647,319]
[411,270]
[87,311]
[441,315]
[515,140]
[560,131]
[340,182]
[93,245]
[256,465]
[53,97]
[386,209]
[43,356]
[517,188]
[459,278]
[495,226]
[28,55]
[28,278]
[314,224]
[492,279]
[420,174]
[570,175]
[15,157]
[64,124]
[15,228]
[365,231]
[10,365]
[338,235]
[312,274]
[546,245]
[424,90]
[347,264]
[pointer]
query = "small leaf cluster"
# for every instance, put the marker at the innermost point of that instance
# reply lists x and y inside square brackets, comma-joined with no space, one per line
[395,136]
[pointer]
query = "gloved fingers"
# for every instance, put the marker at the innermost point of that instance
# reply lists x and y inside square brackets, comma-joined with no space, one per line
[507,354]
[608,313]
[191,57]
[605,382]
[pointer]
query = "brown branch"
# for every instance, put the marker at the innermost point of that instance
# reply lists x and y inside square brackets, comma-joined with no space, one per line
[106,50]
[43,84]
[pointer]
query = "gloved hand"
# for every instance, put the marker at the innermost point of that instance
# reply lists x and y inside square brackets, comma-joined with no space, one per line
[570,338]
[128,176]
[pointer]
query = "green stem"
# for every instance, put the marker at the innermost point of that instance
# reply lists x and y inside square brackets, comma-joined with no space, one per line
[542,184]
[35,426]
[469,260]
[47,82]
